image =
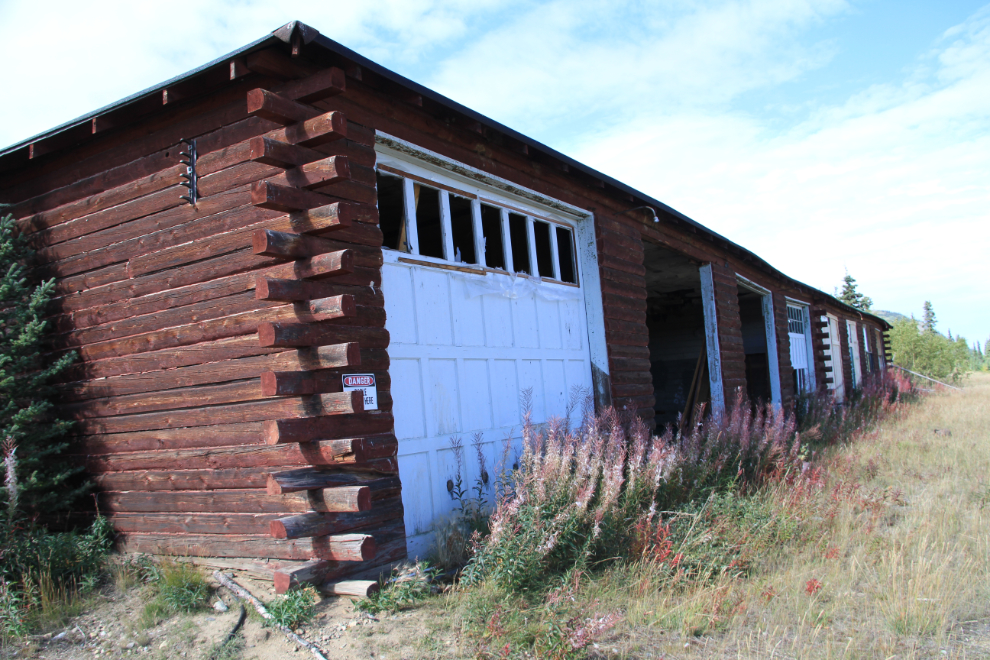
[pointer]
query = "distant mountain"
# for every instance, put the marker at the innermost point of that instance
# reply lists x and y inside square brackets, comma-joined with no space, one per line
[890,317]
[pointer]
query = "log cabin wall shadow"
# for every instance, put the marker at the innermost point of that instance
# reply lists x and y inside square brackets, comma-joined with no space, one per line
[208,399]
[213,337]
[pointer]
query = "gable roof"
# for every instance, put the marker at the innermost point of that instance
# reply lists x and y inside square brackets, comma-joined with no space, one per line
[309,43]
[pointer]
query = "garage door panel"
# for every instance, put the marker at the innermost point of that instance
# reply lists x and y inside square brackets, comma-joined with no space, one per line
[400,306]
[578,384]
[572,324]
[446,460]
[476,405]
[531,378]
[498,321]
[418,502]
[407,395]
[460,370]
[525,327]
[443,417]
[505,393]
[469,318]
[432,295]
[548,315]
[555,387]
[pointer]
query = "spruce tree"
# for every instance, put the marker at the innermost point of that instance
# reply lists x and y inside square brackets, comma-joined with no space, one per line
[928,320]
[851,296]
[45,480]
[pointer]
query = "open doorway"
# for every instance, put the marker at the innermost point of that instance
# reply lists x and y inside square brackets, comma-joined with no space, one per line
[759,344]
[675,319]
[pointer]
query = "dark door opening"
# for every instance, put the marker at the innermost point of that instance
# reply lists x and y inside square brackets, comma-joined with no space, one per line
[676,323]
[754,334]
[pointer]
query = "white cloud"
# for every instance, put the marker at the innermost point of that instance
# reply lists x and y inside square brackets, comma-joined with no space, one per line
[891,184]
[64,59]
[575,59]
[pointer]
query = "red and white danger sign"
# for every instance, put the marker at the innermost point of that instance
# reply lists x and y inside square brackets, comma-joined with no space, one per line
[365,383]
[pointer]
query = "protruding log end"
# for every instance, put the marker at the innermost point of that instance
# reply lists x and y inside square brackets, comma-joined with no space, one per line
[363,499]
[270,432]
[346,547]
[261,243]
[262,288]
[283,582]
[311,572]
[266,334]
[352,588]
[287,383]
[277,529]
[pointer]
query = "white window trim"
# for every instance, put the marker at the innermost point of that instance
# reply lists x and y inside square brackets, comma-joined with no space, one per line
[418,174]
[834,358]
[809,343]
[770,329]
[711,340]
[854,353]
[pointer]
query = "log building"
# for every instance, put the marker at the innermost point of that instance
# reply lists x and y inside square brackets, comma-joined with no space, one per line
[292,276]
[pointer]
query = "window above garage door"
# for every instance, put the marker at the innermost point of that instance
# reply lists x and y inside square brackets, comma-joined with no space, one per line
[428,214]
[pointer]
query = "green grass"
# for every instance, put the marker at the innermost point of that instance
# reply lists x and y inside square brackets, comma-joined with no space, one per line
[176,588]
[407,586]
[227,649]
[294,608]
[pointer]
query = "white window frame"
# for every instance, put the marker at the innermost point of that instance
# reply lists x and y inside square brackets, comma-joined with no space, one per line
[854,355]
[770,328]
[833,346]
[509,197]
[867,353]
[809,342]
[412,174]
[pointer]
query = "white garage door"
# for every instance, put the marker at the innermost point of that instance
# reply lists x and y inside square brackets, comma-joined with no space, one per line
[468,338]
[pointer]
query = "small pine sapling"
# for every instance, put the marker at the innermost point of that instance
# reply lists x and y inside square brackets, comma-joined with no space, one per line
[44,480]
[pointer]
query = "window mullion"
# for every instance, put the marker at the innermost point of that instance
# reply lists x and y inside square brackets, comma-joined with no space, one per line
[445,230]
[531,246]
[412,232]
[554,253]
[479,233]
[507,241]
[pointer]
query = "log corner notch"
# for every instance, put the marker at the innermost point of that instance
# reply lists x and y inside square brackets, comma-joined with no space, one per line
[308,182]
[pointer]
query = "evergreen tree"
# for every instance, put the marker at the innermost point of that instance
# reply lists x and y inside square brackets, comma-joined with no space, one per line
[928,319]
[44,478]
[851,296]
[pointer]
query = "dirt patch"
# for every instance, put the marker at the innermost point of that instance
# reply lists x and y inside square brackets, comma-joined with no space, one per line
[111,628]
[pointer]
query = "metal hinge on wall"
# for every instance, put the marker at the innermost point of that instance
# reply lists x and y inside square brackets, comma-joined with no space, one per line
[188,158]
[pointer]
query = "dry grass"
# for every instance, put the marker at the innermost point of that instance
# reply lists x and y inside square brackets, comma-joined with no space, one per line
[881,551]
[892,558]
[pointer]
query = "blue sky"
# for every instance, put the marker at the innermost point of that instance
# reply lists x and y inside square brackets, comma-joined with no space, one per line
[821,134]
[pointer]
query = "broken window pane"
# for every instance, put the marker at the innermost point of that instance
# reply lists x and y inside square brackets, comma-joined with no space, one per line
[462,229]
[565,255]
[519,239]
[491,229]
[544,251]
[428,221]
[391,213]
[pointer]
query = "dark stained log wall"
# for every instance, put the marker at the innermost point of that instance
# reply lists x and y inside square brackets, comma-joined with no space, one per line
[162,300]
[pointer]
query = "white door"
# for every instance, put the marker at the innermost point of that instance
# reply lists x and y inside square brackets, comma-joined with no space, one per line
[484,300]
[460,357]
[834,359]
[802,352]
